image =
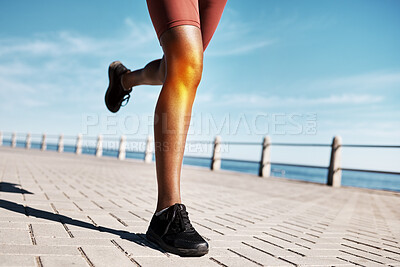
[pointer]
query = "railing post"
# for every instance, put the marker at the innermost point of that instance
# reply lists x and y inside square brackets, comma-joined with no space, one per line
[43,145]
[216,158]
[334,172]
[148,153]
[14,139]
[122,145]
[1,138]
[28,141]
[60,147]
[265,163]
[99,146]
[78,148]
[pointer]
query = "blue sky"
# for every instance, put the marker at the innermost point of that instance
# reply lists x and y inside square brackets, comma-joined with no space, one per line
[298,71]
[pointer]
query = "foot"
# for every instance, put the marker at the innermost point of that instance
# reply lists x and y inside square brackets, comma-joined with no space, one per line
[173,232]
[116,94]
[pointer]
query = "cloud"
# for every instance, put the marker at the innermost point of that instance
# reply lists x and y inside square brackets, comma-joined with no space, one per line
[256,100]
[64,43]
[366,81]
[139,32]
[355,130]
[63,71]
[241,48]
[235,36]
[346,99]
[50,45]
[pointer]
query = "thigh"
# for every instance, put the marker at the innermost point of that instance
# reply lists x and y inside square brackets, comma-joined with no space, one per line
[210,14]
[167,14]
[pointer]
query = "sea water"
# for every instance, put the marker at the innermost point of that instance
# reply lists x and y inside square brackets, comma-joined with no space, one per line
[370,180]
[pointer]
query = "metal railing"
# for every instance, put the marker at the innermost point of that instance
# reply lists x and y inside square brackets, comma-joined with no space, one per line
[334,169]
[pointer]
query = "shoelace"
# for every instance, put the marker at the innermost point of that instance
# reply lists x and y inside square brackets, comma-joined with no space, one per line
[181,222]
[125,100]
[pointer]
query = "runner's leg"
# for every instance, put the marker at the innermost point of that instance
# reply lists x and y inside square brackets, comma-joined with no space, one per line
[183,50]
[152,74]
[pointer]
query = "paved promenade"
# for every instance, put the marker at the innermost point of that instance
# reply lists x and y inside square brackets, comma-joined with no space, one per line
[68,210]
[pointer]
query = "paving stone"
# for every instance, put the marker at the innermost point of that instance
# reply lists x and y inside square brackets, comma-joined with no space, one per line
[105,206]
[17,260]
[10,249]
[189,262]
[74,242]
[357,260]
[258,256]
[317,261]
[107,256]
[218,237]
[11,213]
[225,244]
[14,236]
[16,219]
[93,234]
[12,225]
[235,261]
[140,248]
[223,252]
[270,248]
[63,261]
[318,252]
[64,206]
[49,230]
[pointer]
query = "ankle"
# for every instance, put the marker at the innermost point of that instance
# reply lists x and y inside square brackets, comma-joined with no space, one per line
[124,82]
[162,206]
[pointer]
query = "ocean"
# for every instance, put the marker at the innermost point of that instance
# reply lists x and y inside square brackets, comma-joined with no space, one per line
[390,182]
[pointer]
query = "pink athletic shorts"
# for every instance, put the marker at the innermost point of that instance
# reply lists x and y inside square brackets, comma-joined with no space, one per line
[204,14]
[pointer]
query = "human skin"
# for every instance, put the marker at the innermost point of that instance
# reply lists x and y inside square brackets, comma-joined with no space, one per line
[179,71]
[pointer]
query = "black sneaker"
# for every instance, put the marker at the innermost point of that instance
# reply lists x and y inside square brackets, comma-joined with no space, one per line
[116,94]
[173,232]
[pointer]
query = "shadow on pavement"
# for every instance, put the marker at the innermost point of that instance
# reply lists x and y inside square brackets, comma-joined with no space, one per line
[11,188]
[138,238]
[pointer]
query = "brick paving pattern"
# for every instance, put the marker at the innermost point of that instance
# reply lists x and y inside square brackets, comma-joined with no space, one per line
[63,210]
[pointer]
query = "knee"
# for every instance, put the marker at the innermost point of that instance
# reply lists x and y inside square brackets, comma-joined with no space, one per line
[193,68]
[186,69]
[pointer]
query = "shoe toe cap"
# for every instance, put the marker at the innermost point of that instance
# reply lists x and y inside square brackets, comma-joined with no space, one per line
[190,241]
[202,246]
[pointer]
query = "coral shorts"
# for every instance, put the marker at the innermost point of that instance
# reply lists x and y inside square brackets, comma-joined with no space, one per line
[204,14]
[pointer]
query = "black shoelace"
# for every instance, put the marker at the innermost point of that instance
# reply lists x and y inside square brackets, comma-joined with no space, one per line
[181,222]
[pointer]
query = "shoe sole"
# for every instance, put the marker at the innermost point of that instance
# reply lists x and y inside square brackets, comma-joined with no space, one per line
[110,85]
[151,236]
